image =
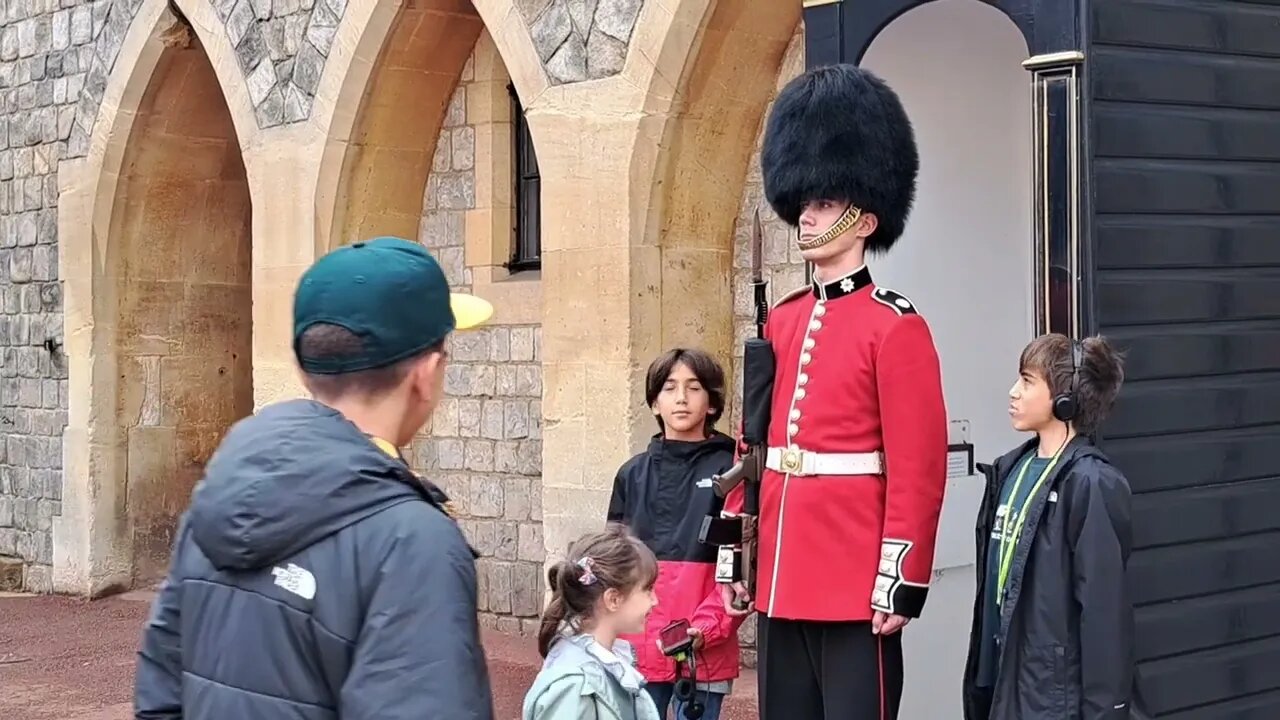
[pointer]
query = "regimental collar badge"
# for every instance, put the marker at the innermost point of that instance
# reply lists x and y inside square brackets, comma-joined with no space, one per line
[847,285]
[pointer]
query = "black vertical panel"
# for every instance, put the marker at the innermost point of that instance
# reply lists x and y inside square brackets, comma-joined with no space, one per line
[1185,141]
[1058,193]
[823,34]
[527,253]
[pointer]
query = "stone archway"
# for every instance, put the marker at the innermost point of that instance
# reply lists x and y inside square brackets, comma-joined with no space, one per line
[642,182]
[155,249]
[180,251]
[427,154]
[389,151]
[721,101]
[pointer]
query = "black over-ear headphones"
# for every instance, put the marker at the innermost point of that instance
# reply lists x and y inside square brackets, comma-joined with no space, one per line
[1064,404]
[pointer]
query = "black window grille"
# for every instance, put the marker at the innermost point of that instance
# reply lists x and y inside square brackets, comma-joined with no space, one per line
[527,253]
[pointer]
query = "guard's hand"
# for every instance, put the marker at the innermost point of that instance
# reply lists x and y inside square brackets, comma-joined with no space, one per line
[736,591]
[883,623]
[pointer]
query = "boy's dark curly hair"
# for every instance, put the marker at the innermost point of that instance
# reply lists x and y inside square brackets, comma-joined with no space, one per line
[1101,374]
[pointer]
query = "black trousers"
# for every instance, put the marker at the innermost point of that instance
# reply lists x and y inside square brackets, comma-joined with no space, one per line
[827,671]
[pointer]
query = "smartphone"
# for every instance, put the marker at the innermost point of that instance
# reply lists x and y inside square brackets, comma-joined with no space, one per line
[675,638]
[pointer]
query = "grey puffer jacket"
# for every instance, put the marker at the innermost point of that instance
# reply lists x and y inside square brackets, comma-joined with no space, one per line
[1065,641]
[314,577]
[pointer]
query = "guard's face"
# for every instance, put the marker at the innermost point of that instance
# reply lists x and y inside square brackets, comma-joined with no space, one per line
[818,216]
[1030,402]
[683,404]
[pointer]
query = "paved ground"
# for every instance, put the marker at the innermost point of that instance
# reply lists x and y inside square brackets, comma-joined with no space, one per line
[66,659]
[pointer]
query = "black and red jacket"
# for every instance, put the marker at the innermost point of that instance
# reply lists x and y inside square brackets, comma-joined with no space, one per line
[663,494]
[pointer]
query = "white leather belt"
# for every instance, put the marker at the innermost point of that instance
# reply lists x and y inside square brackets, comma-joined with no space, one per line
[794,461]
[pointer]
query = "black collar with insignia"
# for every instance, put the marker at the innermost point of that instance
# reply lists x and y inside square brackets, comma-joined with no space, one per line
[847,285]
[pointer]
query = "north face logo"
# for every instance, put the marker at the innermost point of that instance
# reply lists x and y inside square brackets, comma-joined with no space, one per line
[296,580]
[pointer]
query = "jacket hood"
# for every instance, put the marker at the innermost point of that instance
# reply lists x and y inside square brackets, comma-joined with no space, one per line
[684,451]
[576,651]
[286,478]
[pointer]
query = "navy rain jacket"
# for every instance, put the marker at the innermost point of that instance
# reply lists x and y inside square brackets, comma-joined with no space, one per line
[313,578]
[1065,642]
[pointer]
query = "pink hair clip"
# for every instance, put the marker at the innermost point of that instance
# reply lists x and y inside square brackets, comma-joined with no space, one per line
[588,577]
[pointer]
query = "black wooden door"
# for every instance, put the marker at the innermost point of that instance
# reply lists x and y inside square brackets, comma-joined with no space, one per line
[1185,145]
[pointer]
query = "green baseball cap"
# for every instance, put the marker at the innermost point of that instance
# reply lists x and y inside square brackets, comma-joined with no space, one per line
[388,291]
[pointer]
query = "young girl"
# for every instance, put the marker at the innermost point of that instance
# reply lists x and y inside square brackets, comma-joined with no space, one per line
[602,589]
[662,495]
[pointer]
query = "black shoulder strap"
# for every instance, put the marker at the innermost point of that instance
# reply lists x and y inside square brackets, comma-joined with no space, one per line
[894,300]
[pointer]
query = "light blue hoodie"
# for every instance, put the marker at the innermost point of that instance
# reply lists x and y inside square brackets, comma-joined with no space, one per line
[582,680]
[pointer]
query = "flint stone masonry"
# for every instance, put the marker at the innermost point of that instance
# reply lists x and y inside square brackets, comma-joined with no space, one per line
[581,40]
[79,46]
[281,46]
[484,443]
[483,447]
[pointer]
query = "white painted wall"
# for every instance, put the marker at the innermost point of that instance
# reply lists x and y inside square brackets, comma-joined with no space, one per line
[965,261]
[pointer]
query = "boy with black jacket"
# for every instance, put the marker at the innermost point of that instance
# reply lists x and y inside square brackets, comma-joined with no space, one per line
[1053,621]
[663,494]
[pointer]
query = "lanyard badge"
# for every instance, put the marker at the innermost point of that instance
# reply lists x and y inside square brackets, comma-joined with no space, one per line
[1009,539]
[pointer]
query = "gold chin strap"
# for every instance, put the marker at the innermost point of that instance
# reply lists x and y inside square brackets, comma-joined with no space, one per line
[839,227]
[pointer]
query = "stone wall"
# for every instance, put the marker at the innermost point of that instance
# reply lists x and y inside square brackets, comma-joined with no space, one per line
[281,46]
[483,445]
[581,40]
[46,53]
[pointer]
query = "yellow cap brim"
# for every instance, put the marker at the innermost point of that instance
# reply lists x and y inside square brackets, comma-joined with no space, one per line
[469,311]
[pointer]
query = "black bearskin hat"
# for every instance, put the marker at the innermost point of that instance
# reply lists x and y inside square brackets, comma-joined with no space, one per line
[840,133]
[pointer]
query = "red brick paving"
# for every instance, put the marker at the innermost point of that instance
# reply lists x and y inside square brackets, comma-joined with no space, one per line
[68,659]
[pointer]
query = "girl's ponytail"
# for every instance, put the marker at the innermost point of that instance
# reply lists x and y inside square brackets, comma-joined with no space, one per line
[557,611]
[609,560]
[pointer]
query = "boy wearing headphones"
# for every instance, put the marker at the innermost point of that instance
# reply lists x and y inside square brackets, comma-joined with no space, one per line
[1053,622]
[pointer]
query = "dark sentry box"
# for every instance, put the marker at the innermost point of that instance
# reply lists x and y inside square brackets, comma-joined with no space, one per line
[1157,147]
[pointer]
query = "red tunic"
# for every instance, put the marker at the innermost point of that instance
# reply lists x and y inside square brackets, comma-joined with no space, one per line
[857,372]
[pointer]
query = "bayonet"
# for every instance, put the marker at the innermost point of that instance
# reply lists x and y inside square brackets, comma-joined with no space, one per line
[759,285]
[757,250]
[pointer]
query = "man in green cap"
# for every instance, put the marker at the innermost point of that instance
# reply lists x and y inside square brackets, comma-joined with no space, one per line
[315,575]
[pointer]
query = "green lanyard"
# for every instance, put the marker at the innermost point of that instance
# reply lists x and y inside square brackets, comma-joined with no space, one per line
[1007,546]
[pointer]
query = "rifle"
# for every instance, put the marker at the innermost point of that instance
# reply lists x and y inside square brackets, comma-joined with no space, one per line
[736,535]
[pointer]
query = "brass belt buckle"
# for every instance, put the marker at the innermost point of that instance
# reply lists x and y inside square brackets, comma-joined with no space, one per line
[791,460]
